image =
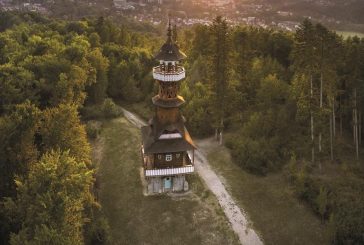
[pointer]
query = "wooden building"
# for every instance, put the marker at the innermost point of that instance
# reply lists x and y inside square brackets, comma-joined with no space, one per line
[167,148]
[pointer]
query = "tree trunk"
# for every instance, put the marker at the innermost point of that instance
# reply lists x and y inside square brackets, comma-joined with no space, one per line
[341,117]
[354,135]
[320,134]
[312,127]
[216,134]
[333,117]
[220,137]
[359,133]
[221,131]
[356,126]
[331,136]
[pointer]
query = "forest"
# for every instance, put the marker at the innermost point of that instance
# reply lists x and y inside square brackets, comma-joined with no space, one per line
[50,70]
[285,102]
[281,102]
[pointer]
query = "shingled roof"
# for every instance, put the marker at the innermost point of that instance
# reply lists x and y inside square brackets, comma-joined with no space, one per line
[170,50]
[152,143]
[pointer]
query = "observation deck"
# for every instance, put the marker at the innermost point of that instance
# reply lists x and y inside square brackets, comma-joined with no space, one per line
[172,75]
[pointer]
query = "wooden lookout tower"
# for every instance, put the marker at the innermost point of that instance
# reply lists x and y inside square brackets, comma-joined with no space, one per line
[167,148]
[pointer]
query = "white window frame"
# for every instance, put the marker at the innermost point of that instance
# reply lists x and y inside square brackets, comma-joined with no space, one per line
[169,157]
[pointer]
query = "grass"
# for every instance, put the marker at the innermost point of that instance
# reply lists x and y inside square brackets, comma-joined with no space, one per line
[276,213]
[194,218]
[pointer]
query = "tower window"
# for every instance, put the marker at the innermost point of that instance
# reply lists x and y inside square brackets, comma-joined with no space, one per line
[169,157]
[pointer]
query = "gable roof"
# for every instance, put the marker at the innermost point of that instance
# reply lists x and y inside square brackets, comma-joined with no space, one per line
[152,143]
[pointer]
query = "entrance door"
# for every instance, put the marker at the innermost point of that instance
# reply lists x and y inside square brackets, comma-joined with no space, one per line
[168,183]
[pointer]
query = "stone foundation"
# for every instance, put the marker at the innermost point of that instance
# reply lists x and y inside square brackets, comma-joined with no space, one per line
[166,184]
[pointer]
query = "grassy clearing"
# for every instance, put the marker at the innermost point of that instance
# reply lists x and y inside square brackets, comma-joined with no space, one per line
[136,219]
[277,215]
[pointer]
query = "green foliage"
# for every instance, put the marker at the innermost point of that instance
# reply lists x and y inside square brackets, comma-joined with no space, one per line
[98,232]
[220,71]
[48,69]
[62,129]
[260,146]
[322,201]
[51,62]
[93,129]
[108,109]
[18,148]
[348,217]
[197,110]
[263,143]
[97,91]
[55,214]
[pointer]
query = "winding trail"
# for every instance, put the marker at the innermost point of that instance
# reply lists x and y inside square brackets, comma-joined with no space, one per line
[236,216]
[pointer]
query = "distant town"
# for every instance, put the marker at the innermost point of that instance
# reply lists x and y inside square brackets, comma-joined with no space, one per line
[186,12]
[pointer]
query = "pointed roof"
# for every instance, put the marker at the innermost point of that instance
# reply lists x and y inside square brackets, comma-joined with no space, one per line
[170,50]
[152,133]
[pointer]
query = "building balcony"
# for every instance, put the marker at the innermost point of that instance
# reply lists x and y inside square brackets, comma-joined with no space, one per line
[169,171]
[151,171]
[174,75]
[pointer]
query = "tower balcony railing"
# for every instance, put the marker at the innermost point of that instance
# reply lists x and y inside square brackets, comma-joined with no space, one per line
[174,75]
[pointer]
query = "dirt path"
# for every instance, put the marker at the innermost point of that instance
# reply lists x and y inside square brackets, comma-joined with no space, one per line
[134,119]
[236,216]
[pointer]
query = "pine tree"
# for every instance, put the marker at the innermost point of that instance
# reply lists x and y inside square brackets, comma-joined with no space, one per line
[305,65]
[220,71]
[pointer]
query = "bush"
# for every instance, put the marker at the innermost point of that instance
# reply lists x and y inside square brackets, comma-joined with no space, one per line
[92,112]
[93,129]
[259,146]
[252,155]
[110,109]
[100,233]
[348,212]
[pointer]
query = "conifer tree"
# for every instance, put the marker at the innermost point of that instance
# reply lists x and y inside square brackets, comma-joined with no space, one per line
[305,65]
[220,71]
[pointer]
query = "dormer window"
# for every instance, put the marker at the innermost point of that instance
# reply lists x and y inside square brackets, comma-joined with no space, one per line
[168,157]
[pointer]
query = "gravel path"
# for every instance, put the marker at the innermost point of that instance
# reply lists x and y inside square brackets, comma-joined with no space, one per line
[236,216]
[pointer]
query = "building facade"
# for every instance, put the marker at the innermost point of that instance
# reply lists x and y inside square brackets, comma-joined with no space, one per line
[167,148]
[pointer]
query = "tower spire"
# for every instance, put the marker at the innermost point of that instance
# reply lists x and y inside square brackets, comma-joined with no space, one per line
[169,31]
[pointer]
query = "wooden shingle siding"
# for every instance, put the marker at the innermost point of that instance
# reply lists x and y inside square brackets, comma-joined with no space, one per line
[160,160]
